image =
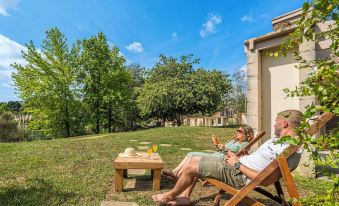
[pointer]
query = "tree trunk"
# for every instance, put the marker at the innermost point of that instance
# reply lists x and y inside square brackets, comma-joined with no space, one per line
[163,122]
[67,124]
[66,117]
[178,117]
[109,118]
[97,117]
[97,92]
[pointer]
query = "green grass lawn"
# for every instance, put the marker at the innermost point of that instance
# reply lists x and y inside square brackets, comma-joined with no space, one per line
[79,171]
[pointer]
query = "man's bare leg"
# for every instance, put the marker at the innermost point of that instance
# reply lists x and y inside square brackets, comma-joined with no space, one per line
[188,192]
[181,166]
[186,180]
[184,197]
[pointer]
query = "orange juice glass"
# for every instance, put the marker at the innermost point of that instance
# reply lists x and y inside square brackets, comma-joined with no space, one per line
[149,152]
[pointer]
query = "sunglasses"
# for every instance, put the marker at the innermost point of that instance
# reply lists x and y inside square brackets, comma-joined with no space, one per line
[240,131]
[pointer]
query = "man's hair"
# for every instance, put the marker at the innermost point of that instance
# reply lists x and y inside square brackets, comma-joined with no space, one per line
[294,117]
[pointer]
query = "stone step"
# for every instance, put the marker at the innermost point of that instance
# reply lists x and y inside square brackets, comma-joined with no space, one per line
[143,147]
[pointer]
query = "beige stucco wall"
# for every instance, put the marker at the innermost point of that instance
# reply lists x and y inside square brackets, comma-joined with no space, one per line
[277,73]
[267,76]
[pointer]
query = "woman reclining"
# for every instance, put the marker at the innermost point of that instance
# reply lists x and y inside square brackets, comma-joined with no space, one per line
[243,136]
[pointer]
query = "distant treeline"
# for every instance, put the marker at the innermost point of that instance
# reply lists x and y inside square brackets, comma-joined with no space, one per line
[87,88]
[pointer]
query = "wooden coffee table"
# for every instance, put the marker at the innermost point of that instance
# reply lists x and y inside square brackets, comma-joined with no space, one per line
[121,164]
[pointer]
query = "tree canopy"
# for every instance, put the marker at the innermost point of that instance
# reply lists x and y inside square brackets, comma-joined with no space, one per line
[62,85]
[46,85]
[173,88]
[104,80]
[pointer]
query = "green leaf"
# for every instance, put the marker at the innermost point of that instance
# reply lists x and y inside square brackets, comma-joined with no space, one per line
[335,17]
[305,6]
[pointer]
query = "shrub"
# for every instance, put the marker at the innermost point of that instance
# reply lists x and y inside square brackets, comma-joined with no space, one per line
[8,128]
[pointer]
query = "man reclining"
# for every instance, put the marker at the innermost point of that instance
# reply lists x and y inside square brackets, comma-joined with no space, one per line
[232,170]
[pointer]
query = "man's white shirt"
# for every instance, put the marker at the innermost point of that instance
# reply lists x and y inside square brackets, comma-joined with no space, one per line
[263,156]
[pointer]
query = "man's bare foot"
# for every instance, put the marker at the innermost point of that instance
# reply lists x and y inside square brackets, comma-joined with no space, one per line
[162,198]
[180,201]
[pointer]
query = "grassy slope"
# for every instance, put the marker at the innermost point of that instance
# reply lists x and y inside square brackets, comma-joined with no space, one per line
[78,171]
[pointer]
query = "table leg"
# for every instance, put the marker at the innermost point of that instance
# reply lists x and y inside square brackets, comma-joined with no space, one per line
[118,180]
[156,179]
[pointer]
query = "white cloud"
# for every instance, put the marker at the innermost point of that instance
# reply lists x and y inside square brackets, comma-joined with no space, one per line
[10,52]
[7,4]
[247,18]
[135,47]
[174,34]
[210,26]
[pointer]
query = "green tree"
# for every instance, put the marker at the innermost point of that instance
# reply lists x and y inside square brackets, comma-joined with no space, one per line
[104,80]
[322,83]
[117,90]
[14,106]
[138,75]
[173,88]
[46,85]
[239,88]
[3,107]
[208,89]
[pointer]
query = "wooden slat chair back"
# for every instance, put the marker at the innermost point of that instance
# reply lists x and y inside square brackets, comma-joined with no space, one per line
[293,160]
[292,157]
[271,174]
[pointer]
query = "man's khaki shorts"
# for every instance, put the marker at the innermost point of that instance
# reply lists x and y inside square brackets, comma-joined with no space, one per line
[216,167]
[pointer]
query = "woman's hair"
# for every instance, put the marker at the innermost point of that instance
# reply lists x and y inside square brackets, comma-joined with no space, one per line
[248,133]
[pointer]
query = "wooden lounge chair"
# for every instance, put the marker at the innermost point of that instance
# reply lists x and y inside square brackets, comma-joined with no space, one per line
[243,151]
[280,167]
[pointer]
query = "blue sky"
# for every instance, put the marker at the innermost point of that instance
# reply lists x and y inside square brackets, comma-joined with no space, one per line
[212,30]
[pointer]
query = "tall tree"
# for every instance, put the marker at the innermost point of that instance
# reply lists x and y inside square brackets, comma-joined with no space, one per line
[117,92]
[173,88]
[138,75]
[239,88]
[104,80]
[45,84]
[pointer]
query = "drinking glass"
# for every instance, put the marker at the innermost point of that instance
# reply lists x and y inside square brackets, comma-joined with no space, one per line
[149,152]
[155,148]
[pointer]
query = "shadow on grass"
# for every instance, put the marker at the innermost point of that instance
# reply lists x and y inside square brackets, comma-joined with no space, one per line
[40,192]
[145,183]
[208,200]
